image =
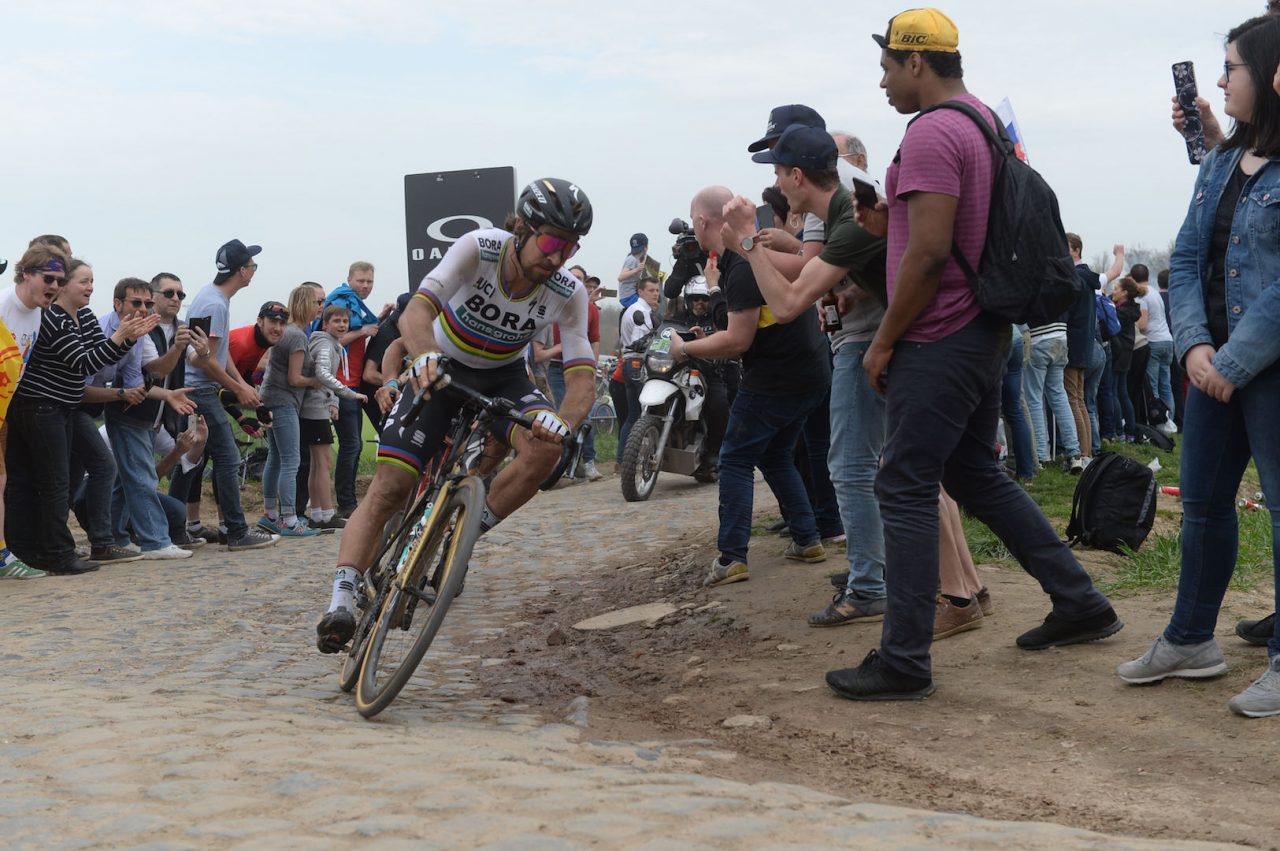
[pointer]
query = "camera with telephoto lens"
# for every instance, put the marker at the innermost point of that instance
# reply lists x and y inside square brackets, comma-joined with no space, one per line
[690,258]
[686,247]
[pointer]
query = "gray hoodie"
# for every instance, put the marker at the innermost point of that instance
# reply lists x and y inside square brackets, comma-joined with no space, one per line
[326,355]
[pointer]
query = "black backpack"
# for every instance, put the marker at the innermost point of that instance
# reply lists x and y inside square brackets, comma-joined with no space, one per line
[1114,504]
[1026,274]
[1154,436]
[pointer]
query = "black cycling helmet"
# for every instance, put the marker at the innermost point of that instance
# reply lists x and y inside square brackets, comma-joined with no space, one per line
[555,202]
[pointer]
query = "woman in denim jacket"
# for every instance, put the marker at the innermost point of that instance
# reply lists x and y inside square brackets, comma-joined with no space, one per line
[1224,292]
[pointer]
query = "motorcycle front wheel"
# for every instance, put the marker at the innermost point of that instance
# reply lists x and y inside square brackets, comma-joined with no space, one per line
[641,458]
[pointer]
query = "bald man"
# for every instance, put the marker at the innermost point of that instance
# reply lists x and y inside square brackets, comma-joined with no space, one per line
[786,373]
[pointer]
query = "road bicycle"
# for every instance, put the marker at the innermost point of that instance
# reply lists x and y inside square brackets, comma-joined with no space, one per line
[422,563]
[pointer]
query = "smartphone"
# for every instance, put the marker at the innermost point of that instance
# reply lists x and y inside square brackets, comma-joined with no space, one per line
[1184,86]
[191,421]
[204,323]
[864,189]
[765,217]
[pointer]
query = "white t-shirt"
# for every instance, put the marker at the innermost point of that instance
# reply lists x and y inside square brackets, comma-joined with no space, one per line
[23,322]
[637,320]
[1157,324]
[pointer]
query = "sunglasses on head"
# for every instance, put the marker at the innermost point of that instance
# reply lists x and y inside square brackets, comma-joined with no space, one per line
[178,294]
[137,303]
[549,245]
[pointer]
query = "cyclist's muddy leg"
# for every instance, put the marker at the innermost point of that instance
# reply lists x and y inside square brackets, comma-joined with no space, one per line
[516,485]
[363,533]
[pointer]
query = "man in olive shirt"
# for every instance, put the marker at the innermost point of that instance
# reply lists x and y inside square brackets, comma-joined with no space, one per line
[852,262]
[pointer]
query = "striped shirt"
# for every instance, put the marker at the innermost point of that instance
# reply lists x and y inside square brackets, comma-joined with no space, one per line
[65,355]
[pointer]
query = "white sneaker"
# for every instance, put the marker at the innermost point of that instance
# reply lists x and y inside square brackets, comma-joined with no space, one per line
[171,551]
[131,547]
[593,474]
[1169,427]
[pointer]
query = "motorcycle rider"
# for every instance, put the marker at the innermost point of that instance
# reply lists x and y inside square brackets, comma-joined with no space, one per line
[708,314]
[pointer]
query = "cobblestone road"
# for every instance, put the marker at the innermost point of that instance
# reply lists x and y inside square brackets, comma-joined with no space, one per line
[184,705]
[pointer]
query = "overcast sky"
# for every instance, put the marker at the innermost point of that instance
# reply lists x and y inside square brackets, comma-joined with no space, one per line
[149,132]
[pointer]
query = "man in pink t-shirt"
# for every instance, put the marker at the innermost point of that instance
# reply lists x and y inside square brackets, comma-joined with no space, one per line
[939,360]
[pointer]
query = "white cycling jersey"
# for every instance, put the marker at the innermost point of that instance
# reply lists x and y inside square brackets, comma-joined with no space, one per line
[479,323]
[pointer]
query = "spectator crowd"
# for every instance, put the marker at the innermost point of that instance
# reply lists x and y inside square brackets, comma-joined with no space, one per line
[167,391]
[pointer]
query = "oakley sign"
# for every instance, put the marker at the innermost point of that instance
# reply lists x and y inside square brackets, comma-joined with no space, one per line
[440,207]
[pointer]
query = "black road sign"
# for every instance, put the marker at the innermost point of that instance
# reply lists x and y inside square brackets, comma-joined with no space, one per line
[441,206]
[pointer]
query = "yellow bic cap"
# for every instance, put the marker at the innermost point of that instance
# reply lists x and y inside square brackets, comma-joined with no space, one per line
[921,29]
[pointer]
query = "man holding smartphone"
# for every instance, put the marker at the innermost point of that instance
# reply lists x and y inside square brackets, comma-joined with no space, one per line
[207,370]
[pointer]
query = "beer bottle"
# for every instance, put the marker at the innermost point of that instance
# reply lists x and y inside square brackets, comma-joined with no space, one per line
[830,313]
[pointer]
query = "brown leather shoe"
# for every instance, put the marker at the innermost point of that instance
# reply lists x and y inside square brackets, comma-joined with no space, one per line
[949,619]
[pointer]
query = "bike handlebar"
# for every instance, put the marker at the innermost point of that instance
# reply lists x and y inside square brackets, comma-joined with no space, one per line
[496,407]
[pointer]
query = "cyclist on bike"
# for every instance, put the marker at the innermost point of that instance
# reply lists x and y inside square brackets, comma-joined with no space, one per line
[490,295]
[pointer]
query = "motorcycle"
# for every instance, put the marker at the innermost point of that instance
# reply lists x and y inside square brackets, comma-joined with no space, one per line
[669,434]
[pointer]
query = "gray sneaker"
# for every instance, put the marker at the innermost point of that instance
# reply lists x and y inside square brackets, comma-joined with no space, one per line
[1263,697]
[723,574]
[1164,659]
[252,539]
[847,607]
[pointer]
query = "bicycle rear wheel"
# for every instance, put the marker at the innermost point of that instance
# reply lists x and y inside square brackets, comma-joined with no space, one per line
[415,607]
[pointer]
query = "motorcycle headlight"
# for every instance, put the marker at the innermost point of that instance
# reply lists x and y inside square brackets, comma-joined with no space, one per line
[660,363]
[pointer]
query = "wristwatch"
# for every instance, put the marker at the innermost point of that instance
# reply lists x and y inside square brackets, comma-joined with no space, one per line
[749,242]
[119,392]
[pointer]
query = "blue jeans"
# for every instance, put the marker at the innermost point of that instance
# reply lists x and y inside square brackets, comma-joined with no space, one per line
[1044,376]
[632,388]
[221,449]
[1092,378]
[134,497]
[815,445]
[175,513]
[1218,441]
[284,454]
[857,439]
[555,378]
[1015,413]
[1108,407]
[350,428]
[943,405]
[762,433]
[91,457]
[1158,372]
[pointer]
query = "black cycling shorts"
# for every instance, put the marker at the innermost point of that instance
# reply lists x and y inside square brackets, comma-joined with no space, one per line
[410,445]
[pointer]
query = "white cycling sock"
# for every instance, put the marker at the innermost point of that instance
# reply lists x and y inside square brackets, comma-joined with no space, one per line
[487,518]
[344,589]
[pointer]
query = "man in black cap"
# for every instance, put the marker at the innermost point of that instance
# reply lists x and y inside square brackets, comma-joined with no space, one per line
[633,270]
[804,165]
[236,268]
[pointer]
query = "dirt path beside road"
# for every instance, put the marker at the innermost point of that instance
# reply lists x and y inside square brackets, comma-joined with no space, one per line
[1051,736]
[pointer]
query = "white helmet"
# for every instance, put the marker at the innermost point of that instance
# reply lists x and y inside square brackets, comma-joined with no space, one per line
[697,286]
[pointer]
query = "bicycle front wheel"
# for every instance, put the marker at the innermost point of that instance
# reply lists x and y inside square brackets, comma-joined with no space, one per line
[419,597]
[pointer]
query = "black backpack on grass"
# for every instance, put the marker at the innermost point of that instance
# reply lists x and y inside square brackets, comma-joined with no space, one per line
[1114,504]
[1025,274]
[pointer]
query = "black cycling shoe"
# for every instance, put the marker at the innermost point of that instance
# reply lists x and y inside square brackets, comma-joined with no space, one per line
[335,630]
[1257,632]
